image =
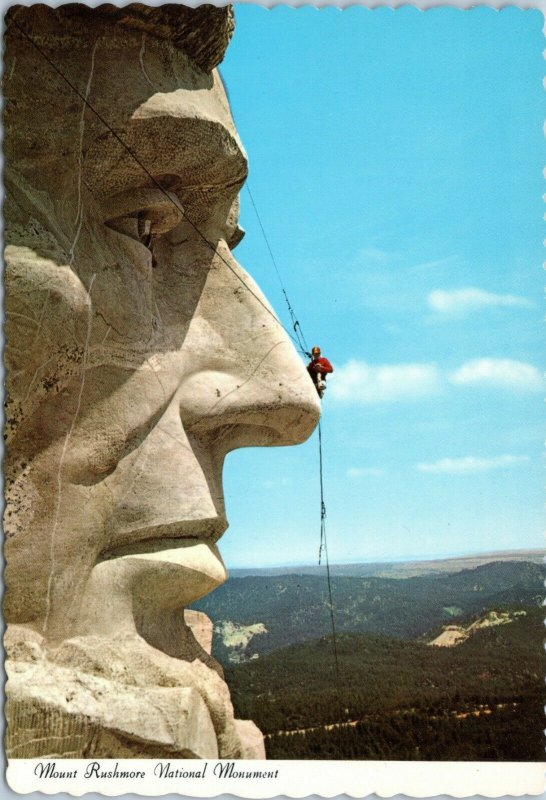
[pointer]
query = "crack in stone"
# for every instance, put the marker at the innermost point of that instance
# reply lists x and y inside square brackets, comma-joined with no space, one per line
[109,324]
[61,460]
[240,386]
[79,214]
[41,319]
[104,338]
[139,467]
[141,59]
[21,316]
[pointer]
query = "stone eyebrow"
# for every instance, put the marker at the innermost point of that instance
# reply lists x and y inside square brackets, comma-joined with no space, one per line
[195,154]
[155,182]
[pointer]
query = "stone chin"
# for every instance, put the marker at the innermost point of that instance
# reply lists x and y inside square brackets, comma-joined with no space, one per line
[159,695]
[156,579]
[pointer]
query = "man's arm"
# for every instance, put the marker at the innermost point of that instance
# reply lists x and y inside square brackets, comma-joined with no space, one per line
[325,365]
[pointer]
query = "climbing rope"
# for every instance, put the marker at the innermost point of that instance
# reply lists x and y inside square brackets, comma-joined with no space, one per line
[303,346]
[323,546]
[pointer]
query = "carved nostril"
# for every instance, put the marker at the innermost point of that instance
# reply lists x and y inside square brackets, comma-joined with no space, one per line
[226,411]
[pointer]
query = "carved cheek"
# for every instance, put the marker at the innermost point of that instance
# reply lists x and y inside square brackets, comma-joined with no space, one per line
[93,458]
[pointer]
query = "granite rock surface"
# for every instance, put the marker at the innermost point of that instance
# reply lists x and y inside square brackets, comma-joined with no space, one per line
[139,353]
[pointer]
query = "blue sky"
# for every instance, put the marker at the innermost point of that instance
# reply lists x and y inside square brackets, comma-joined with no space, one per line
[396,161]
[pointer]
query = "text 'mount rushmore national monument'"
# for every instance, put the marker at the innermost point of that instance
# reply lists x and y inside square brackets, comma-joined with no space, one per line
[139,353]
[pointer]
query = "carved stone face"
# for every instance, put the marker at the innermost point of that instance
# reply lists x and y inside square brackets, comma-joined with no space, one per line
[139,354]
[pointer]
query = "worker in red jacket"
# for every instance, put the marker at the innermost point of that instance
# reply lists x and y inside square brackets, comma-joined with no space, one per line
[318,368]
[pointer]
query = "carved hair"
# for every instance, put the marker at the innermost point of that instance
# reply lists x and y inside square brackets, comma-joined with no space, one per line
[202,33]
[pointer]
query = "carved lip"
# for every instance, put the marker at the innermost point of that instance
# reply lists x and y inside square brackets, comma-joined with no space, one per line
[152,545]
[165,537]
[159,575]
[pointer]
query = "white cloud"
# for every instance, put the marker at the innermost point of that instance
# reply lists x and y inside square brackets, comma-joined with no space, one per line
[359,382]
[458,302]
[498,372]
[365,472]
[470,464]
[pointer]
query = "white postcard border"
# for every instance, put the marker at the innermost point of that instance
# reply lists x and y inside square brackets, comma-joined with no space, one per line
[296,778]
[266,779]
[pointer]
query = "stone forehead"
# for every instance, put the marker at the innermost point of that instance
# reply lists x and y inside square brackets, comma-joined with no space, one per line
[202,33]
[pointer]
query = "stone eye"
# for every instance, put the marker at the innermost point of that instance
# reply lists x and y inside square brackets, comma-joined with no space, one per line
[143,214]
[144,229]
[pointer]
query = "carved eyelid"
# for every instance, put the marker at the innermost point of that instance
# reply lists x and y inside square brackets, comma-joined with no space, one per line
[160,209]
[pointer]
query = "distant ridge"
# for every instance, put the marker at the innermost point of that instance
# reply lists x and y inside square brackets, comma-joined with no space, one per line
[399,569]
[257,614]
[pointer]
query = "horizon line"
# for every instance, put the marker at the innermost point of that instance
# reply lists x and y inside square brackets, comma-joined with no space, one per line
[396,560]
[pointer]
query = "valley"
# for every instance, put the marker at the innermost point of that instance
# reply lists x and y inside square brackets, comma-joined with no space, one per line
[442,666]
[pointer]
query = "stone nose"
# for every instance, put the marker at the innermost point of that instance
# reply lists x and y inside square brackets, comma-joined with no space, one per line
[252,387]
[268,401]
[170,487]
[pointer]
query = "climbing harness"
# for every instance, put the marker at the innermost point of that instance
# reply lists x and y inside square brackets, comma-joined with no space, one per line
[321,386]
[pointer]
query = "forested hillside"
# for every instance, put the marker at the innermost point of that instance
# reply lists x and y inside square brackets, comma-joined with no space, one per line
[400,699]
[295,608]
